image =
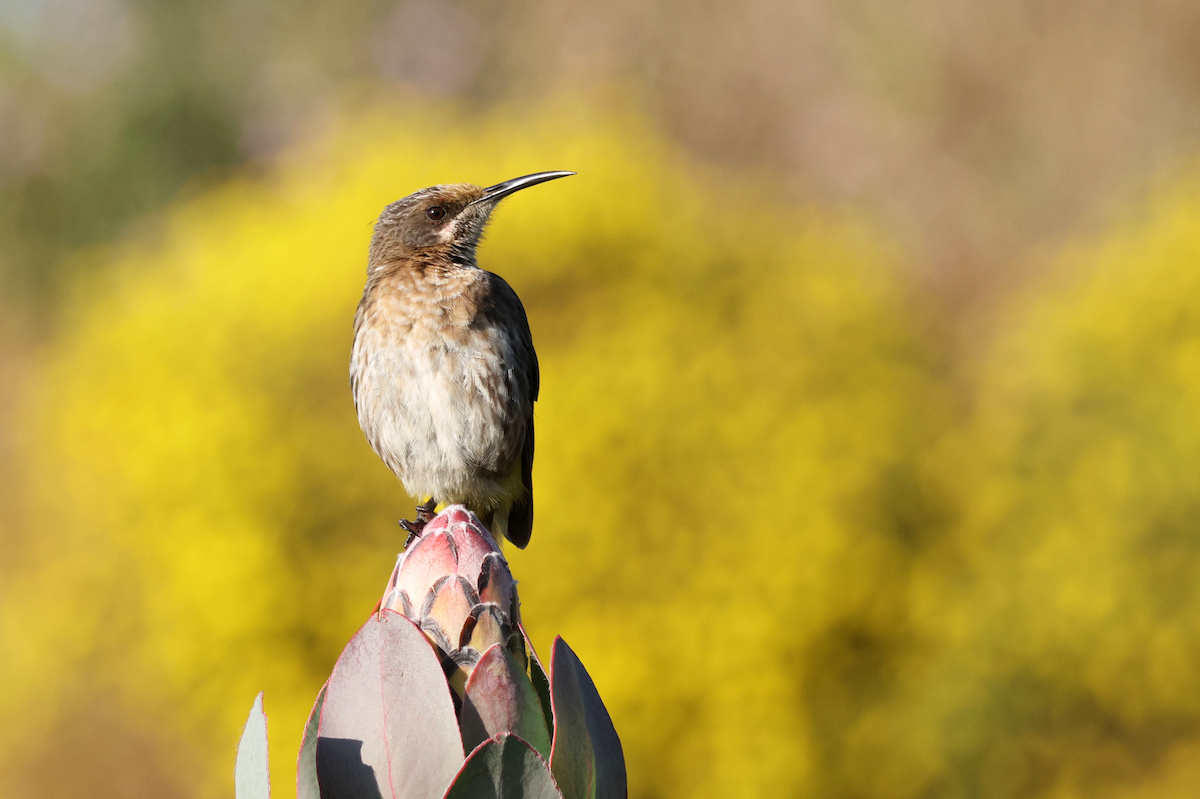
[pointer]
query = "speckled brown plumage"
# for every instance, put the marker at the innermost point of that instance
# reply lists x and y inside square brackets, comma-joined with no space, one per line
[443,370]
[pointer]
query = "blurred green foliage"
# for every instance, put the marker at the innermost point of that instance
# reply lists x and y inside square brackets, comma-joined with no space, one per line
[108,154]
[790,564]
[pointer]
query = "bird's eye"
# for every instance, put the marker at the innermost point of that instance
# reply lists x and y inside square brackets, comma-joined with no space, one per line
[436,213]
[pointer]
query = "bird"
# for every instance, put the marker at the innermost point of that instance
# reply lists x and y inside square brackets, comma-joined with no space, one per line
[443,369]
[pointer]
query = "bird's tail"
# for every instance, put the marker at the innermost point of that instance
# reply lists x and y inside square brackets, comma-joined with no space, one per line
[518,521]
[513,521]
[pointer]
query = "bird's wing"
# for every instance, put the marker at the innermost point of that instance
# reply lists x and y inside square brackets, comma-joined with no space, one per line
[520,516]
[532,373]
[508,306]
[505,310]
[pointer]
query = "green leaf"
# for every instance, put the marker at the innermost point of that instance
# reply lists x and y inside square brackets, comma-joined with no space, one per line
[586,759]
[541,683]
[504,767]
[252,774]
[306,763]
[500,698]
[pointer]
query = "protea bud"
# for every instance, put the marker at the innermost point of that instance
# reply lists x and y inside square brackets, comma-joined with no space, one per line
[440,694]
[454,583]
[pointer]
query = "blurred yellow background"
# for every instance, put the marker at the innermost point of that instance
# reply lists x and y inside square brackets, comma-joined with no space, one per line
[869,435]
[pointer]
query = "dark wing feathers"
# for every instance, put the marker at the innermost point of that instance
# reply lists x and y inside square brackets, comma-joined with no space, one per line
[520,517]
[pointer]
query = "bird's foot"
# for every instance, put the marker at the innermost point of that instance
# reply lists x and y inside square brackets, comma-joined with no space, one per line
[413,529]
[425,514]
[427,511]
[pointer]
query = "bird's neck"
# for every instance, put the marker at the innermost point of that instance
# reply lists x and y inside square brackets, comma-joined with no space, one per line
[432,264]
[432,278]
[462,253]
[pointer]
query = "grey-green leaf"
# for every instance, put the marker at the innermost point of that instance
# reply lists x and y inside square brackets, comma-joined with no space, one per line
[541,683]
[252,774]
[306,763]
[586,758]
[387,727]
[504,767]
[499,698]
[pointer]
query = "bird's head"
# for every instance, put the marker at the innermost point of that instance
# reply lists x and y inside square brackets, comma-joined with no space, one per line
[447,220]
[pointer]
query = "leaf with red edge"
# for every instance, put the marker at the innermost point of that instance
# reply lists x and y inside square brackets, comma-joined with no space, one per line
[387,727]
[541,683]
[306,763]
[499,698]
[252,774]
[586,758]
[504,768]
[541,686]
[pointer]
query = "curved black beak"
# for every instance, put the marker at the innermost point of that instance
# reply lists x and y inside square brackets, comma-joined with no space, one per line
[502,190]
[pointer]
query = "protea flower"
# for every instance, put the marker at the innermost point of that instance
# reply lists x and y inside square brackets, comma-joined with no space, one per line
[455,585]
[440,694]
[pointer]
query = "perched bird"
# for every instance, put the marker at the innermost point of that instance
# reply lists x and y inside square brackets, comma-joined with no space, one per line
[443,370]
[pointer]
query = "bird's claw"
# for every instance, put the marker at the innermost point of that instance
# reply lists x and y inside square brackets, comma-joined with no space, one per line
[425,514]
[413,529]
